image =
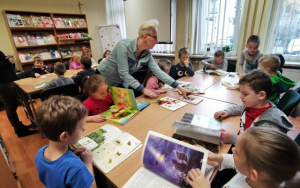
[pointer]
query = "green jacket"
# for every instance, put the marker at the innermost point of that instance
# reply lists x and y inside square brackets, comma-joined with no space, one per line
[280,85]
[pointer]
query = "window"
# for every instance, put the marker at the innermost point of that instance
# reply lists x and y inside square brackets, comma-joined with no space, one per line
[215,26]
[285,31]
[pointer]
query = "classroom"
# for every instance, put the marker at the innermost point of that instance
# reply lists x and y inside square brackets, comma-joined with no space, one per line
[184,45]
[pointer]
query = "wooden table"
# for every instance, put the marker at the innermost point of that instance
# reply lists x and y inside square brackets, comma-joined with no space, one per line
[160,120]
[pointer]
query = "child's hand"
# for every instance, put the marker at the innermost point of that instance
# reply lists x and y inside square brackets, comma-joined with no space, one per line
[221,115]
[79,151]
[37,75]
[162,91]
[240,75]
[186,63]
[211,66]
[196,179]
[86,156]
[98,118]
[225,136]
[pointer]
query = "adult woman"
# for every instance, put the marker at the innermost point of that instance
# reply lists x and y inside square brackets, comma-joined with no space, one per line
[130,55]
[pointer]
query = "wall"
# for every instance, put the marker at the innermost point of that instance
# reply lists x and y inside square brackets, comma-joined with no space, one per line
[94,10]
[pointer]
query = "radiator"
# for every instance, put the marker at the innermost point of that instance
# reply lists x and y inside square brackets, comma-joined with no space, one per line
[293,74]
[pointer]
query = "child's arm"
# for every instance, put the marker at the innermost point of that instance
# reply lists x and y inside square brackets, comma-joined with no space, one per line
[196,179]
[153,85]
[241,63]
[190,69]
[221,115]
[87,157]
[96,118]
[225,65]
[228,137]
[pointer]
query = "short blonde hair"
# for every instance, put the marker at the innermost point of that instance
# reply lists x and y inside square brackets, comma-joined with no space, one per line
[75,56]
[148,27]
[270,61]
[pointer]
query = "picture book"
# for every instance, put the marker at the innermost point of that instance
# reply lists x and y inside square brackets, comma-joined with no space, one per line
[39,85]
[74,22]
[31,39]
[110,146]
[124,107]
[20,40]
[141,105]
[15,20]
[193,89]
[37,21]
[40,39]
[58,22]
[191,99]
[205,131]
[25,56]
[218,72]
[67,22]
[27,20]
[231,81]
[47,21]
[49,38]
[166,162]
[170,103]
[81,22]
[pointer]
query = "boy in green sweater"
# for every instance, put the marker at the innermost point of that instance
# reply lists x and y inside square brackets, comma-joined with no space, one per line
[271,64]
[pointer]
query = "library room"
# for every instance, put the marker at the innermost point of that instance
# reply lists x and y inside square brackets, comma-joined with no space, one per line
[150,93]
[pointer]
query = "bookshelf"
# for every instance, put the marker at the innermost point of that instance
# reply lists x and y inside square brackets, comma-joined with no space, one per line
[52,36]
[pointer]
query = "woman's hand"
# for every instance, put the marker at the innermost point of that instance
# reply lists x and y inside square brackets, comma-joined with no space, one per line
[196,179]
[149,93]
[183,91]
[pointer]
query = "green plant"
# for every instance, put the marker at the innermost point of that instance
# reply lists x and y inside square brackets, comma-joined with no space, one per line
[226,48]
[208,49]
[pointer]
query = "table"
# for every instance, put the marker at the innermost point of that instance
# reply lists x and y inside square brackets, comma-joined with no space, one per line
[25,91]
[160,120]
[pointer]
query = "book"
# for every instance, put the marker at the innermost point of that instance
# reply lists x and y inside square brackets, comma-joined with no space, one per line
[124,108]
[47,21]
[170,103]
[67,22]
[166,162]
[74,22]
[81,22]
[193,89]
[37,21]
[58,22]
[40,39]
[20,40]
[25,56]
[205,131]
[191,99]
[141,105]
[218,72]
[31,39]
[15,20]
[49,38]
[39,85]
[27,20]
[110,146]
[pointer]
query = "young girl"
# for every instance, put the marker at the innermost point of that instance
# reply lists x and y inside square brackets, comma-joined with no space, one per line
[99,99]
[75,62]
[39,68]
[152,81]
[105,55]
[218,62]
[87,53]
[263,158]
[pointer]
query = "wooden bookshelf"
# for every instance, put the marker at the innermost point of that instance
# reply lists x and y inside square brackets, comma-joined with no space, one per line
[53,36]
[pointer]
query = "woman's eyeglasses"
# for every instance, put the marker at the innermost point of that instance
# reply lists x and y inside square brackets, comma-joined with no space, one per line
[155,37]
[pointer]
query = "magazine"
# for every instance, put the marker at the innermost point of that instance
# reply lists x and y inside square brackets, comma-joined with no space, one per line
[27,20]
[15,20]
[47,21]
[110,146]
[191,99]
[166,162]
[20,40]
[81,22]
[58,22]
[170,103]
[205,131]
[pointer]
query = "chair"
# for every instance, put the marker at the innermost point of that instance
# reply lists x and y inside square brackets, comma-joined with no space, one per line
[69,90]
[288,102]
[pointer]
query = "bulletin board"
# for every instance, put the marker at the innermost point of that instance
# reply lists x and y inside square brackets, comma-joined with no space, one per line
[110,35]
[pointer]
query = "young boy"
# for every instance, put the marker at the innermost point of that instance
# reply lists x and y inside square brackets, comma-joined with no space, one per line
[218,62]
[271,64]
[256,110]
[39,68]
[184,67]
[251,55]
[86,64]
[61,119]
[59,70]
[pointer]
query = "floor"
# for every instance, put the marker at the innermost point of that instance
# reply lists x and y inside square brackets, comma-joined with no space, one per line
[22,150]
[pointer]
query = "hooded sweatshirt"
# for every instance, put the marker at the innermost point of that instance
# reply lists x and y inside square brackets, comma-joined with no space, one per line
[272,118]
[280,85]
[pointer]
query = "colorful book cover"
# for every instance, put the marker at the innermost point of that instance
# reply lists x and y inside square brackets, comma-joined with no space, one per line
[110,146]
[191,99]
[170,103]
[27,20]
[15,20]
[47,21]
[81,22]
[40,39]
[67,22]
[31,40]
[124,108]
[74,22]
[37,21]
[24,56]
[58,22]
[50,38]
[141,105]
[20,40]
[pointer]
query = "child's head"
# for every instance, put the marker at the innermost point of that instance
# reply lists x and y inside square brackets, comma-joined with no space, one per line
[269,63]
[96,86]
[253,44]
[219,56]
[255,87]
[61,116]
[266,155]
[281,58]
[183,54]
[165,65]
[59,68]
[38,62]
[76,58]
[106,53]
[86,62]
[86,52]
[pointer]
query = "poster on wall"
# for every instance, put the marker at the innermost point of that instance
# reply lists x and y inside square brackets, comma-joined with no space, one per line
[110,35]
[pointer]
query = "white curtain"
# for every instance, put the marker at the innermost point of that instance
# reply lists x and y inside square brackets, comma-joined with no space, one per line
[115,14]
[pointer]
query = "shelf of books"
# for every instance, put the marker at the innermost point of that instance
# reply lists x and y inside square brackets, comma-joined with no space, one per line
[52,36]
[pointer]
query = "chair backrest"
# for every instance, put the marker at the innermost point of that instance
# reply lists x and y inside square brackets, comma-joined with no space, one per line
[69,90]
[288,102]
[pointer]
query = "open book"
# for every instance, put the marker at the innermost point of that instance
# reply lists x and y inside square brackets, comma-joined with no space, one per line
[218,72]
[191,99]
[166,162]
[170,103]
[125,106]
[196,129]
[110,146]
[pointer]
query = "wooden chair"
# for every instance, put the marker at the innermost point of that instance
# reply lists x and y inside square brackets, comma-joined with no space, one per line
[69,90]
[288,102]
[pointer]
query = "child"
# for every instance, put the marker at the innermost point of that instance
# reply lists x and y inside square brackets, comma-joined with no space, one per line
[59,70]
[281,84]
[87,53]
[105,55]
[251,55]
[61,119]
[282,62]
[263,158]
[87,70]
[39,68]
[75,62]
[184,67]
[218,62]
[255,88]
[152,81]
[99,99]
